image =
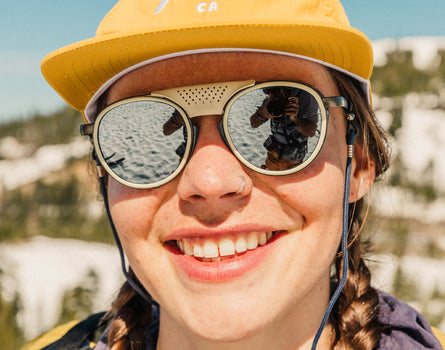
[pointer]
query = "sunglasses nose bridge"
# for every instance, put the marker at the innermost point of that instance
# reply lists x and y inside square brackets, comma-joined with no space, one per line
[195,134]
[206,99]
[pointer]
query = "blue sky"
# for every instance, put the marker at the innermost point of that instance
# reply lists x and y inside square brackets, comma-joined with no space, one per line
[29,29]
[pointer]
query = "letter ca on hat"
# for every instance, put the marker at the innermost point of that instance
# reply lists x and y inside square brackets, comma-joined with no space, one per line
[201,7]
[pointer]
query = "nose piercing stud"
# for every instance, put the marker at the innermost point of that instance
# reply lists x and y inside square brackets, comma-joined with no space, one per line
[242,185]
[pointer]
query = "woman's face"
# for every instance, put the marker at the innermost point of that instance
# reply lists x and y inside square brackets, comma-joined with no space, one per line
[273,288]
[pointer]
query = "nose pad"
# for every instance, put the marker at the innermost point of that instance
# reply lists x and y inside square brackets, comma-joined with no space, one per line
[223,135]
[195,134]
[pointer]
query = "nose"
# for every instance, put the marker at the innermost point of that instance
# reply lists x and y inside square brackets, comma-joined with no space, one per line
[213,179]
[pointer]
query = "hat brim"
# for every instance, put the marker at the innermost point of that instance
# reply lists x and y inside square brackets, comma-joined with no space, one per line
[77,71]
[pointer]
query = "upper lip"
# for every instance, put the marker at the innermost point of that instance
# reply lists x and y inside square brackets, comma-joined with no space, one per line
[205,232]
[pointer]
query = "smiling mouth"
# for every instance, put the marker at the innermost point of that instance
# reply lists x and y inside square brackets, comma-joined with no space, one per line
[214,250]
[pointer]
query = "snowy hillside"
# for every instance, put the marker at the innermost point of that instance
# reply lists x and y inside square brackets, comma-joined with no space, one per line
[42,270]
[39,271]
[425,50]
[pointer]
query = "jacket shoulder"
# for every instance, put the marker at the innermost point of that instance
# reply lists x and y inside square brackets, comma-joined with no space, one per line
[72,335]
[49,337]
[440,336]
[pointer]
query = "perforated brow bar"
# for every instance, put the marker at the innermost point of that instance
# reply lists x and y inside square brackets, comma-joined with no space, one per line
[206,99]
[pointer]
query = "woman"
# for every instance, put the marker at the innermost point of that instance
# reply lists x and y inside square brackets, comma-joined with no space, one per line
[230,240]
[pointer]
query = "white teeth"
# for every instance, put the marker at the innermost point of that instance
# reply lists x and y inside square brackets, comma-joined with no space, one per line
[211,250]
[262,240]
[188,249]
[198,251]
[252,241]
[226,247]
[240,245]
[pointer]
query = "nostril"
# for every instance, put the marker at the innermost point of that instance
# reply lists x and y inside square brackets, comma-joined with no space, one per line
[197,197]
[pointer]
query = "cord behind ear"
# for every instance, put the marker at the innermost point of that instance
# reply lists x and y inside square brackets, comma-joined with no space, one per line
[351,133]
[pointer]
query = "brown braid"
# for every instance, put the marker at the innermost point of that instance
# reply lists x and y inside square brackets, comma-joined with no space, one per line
[131,315]
[355,315]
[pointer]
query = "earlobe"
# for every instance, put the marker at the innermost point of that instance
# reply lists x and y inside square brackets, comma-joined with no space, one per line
[362,175]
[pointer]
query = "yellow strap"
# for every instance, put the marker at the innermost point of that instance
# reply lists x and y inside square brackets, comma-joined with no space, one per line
[439,335]
[49,337]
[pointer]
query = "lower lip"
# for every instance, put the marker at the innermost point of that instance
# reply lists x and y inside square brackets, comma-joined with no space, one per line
[224,270]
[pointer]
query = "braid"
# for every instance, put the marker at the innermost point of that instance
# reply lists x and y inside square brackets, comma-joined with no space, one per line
[130,314]
[355,315]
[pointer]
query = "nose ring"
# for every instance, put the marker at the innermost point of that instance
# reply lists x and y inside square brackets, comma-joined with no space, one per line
[242,185]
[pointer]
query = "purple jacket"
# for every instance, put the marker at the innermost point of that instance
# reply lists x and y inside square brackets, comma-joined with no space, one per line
[404,328]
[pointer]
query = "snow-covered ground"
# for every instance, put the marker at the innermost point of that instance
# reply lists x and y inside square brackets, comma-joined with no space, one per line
[40,271]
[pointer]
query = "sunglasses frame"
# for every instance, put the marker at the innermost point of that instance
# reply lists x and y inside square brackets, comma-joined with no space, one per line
[190,107]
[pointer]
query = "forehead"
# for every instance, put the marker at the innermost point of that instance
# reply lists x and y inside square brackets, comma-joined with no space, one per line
[219,67]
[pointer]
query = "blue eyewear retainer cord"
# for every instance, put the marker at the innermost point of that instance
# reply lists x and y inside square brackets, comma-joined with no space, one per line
[103,189]
[352,131]
[350,138]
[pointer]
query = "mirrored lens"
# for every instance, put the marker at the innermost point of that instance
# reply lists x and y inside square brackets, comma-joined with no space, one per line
[275,128]
[142,142]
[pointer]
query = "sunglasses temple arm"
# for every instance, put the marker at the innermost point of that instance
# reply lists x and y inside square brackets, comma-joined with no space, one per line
[103,189]
[352,132]
[86,129]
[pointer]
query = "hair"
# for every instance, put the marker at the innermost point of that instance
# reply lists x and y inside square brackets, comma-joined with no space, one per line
[130,315]
[355,315]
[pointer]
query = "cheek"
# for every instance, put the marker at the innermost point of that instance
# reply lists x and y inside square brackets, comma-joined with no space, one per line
[319,196]
[317,192]
[132,210]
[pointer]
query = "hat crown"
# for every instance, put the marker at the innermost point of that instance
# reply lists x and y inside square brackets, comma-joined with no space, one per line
[137,15]
[137,32]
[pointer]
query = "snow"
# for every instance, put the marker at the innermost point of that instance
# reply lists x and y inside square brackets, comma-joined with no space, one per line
[425,50]
[423,143]
[425,273]
[41,270]
[381,48]
[18,172]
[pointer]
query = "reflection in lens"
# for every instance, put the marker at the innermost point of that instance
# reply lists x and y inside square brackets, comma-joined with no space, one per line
[134,145]
[275,128]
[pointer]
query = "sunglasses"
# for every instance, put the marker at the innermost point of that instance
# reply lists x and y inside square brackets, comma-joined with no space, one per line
[273,128]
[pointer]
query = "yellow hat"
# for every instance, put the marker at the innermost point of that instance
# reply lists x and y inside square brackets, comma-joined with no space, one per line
[135,31]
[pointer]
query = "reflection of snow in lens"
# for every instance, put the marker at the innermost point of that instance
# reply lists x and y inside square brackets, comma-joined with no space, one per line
[133,144]
[249,141]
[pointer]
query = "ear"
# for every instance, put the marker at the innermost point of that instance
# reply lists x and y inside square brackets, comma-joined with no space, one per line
[362,174]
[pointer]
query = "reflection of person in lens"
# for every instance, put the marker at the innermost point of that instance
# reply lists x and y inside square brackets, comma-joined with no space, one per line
[293,116]
[174,123]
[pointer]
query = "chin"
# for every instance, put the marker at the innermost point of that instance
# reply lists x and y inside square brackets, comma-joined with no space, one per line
[230,330]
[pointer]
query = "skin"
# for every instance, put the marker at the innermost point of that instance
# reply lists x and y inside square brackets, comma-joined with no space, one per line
[278,304]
